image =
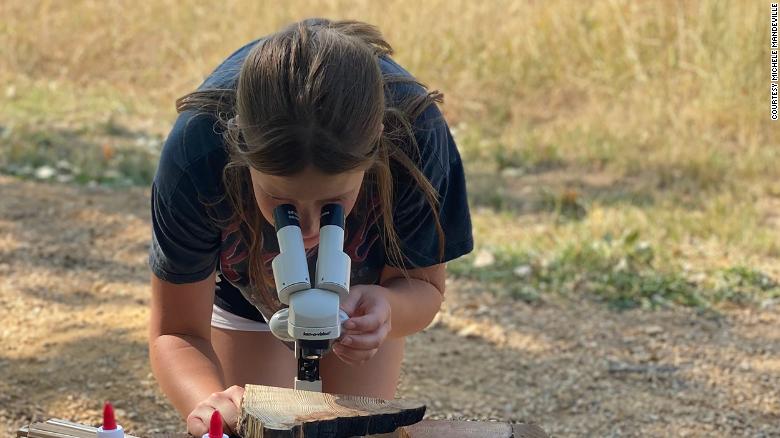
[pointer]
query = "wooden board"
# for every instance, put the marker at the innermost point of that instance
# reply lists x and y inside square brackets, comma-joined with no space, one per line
[271,412]
[453,429]
[473,429]
[423,429]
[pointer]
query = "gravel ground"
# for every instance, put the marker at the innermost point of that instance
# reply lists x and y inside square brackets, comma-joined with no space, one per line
[73,302]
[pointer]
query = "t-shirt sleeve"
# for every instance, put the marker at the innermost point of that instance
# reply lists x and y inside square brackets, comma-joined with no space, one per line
[185,241]
[414,221]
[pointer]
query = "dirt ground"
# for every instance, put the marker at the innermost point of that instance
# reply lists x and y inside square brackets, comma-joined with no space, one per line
[73,306]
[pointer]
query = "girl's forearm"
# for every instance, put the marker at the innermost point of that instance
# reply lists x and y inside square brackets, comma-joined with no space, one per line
[414,304]
[186,370]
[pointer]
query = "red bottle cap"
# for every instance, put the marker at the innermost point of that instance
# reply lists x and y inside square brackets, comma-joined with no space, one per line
[215,428]
[109,422]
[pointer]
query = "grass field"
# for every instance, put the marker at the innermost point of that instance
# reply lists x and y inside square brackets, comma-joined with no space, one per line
[620,149]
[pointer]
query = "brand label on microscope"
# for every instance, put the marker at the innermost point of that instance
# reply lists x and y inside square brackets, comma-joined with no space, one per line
[316,334]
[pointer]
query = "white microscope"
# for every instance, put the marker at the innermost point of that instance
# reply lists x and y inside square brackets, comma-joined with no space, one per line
[313,319]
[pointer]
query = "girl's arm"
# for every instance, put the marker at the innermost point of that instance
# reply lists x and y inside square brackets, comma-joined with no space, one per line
[415,301]
[397,307]
[182,358]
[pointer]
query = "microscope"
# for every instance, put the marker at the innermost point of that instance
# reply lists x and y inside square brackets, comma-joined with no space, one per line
[313,318]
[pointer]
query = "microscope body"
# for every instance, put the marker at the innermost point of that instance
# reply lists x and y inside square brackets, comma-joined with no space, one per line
[313,317]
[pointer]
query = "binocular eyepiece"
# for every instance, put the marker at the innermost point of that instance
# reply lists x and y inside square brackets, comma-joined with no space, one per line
[286,214]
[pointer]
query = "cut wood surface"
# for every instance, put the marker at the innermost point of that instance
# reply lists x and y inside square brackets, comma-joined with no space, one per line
[270,412]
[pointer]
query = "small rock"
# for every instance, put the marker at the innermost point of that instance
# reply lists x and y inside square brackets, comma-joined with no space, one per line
[470,331]
[112,174]
[44,172]
[482,310]
[523,271]
[64,165]
[484,258]
[512,172]
[769,303]
[621,265]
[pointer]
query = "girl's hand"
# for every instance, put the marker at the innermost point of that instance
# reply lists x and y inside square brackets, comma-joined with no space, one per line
[227,402]
[368,325]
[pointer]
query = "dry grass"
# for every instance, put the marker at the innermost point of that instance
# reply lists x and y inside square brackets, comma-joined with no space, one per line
[665,99]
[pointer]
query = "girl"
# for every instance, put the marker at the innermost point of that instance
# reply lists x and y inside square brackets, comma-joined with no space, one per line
[317,113]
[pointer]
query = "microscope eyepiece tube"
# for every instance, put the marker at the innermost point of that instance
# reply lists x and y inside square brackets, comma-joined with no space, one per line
[285,215]
[333,265]
[332,214]
[291,271]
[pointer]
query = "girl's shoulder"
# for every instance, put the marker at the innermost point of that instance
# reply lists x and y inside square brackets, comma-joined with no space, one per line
[192,159]
[400,82]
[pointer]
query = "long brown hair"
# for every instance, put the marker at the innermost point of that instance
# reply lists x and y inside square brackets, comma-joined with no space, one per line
[313,94]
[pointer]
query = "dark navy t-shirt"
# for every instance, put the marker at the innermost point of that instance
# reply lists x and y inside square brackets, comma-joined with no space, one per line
[189,241]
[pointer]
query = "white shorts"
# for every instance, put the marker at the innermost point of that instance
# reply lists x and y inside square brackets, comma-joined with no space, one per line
[223,319]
